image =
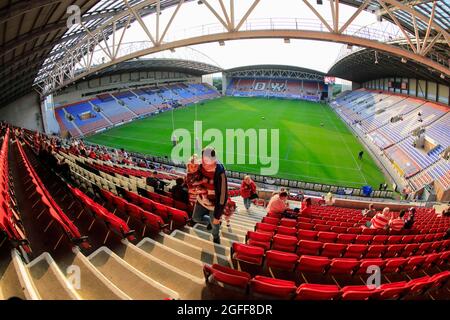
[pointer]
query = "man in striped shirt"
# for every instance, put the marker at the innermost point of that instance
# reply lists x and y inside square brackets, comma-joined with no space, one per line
[397,224]
[210,205]
[380,220]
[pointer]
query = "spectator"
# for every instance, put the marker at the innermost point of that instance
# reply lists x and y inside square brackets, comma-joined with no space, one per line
[306,207]
[397,224]
[230,208]
[380,220]
[278,203]
[409,220]
[152,181]
[210,207]
[329,199]
[248,191]
[370,213]
[179,191]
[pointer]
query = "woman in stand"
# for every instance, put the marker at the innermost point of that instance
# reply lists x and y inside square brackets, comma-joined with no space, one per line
[248,191]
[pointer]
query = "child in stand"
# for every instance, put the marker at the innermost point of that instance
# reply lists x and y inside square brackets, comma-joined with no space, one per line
[195,180]
[229,210]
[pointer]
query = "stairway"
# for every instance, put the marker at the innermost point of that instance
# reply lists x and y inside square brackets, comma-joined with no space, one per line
[167,266]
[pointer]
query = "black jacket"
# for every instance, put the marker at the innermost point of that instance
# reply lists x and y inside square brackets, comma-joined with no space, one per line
[221,190]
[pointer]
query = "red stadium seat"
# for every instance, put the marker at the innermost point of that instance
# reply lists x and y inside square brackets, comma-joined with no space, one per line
[226,276]
[368,231]
[410,249]
[265,286]
[291,223]
[394,265]
[423,249]
[308,291]
[394,239]
[430,260]
[346,238]
[265,227]
[354,230]
[284,243]
[392,291]
[307,247]
[333,250]
[270,220]
[440,280]
[394,250]
[322,227]
[178,218]
[343,266]
[247,253]
[413,263]
[363,239]
[358,293]
[259,239]
[313,264]
[287,231]
[281,260]
[307,235]
[379,239]
[375,251]
[408,239]
[338,230]
[365,263]
[305,226]
[326,236]
[355,251]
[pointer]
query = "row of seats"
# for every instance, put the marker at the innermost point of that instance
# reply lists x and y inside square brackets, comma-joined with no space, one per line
[156,216]
[290,243]
[312,263]
[284,289]
[342,234]
[9,219]
[54,210]
[114,223]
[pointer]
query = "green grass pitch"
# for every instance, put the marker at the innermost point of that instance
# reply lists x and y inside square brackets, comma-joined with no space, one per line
[308,151]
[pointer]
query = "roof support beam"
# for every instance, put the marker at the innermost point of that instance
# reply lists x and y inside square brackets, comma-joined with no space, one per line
[399,25]
[318,15]
[353,17]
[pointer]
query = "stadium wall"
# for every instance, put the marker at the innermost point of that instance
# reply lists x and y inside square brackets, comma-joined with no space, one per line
[424,89]
[24,112]
[116,82]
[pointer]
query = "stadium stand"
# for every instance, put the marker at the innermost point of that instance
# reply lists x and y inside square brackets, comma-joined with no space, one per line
[110,109]
[324,255]
[394,124]
[275,87]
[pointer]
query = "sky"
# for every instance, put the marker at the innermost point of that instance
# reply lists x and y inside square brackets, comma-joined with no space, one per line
[194,19]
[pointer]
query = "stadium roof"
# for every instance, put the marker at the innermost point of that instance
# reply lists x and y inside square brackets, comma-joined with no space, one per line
[187,66]
[381,65]
[274,66]
[35,33]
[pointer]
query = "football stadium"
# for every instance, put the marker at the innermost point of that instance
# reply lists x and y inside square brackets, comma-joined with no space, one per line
[225,150]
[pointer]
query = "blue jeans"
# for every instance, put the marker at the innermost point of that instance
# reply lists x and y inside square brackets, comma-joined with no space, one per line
[205,216]
[247,203]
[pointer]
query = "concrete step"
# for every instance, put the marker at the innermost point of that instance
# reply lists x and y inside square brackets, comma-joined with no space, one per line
[205,244]
[49,280]
[171,275]
[15,280]
[127,278]
[206,235]
[237,228]
[201,254]
[242,225]
[224,234]
[172,257]
[93,284]
[231,230]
